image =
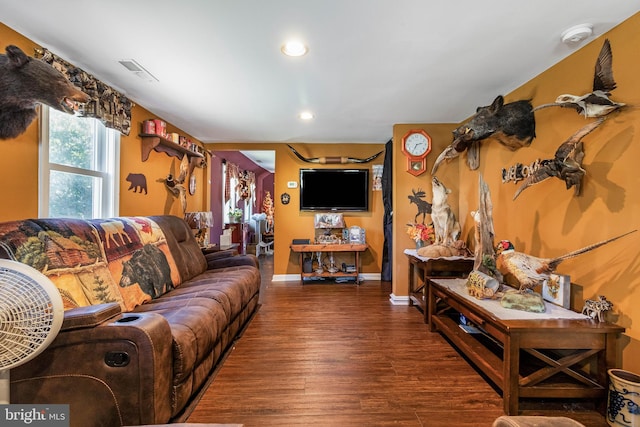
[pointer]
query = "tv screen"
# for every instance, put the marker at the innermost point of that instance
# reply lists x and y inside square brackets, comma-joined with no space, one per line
[334,189]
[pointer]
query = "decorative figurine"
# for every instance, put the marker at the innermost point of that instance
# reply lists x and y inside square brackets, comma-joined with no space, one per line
[445,224]
[485,250]
[566,165]
[596,103]
[596,308]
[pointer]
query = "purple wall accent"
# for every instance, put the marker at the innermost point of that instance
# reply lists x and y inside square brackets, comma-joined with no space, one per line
[264,182]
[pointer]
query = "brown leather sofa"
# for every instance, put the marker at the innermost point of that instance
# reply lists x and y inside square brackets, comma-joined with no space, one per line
[148,317]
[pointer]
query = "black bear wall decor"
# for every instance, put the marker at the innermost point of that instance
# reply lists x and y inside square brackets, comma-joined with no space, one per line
[25,82]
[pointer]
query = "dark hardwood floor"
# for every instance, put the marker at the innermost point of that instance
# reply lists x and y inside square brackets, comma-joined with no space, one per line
[342,355]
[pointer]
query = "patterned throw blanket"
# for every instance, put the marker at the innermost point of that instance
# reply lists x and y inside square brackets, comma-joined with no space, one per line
[124,260]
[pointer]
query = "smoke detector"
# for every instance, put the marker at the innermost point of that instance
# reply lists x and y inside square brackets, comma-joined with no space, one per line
[577,33]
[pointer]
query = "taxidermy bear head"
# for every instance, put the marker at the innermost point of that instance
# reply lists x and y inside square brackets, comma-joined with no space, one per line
[24,82]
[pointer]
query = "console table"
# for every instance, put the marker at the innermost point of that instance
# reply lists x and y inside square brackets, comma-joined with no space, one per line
[556,354]
[421,269]
[343,247]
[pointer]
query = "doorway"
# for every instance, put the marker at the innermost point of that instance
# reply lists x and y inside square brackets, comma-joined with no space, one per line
[244,180]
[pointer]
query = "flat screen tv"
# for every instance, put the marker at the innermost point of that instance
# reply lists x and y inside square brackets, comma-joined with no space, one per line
[334,189]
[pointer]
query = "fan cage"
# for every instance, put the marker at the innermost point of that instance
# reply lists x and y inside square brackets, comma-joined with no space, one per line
[30,313]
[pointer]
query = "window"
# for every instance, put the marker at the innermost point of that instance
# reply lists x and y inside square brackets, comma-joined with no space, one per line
[79,167]
[234,198]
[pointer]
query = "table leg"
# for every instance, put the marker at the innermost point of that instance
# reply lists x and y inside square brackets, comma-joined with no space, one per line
[430,306]
[301,268]
[511,374]
[411,281]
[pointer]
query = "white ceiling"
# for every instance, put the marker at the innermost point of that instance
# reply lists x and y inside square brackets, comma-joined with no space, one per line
[371,63]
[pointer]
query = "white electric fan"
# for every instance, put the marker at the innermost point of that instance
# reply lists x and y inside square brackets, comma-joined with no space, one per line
[31,314]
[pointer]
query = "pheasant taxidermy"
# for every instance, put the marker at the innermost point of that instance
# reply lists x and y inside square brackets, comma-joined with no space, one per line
[566,165]
[531,271]
[596,103]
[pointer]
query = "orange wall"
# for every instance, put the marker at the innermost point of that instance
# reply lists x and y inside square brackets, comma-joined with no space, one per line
[291,224]
[547,220]
[19,156]
[19,166]
[404,183]
[159,200]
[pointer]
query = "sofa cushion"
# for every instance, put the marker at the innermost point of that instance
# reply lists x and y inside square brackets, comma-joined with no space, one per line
[196,326]
[231,287]
[184,248]
[138,258]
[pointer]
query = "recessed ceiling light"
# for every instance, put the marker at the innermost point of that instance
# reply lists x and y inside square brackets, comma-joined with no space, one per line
[306,115]
[294,48]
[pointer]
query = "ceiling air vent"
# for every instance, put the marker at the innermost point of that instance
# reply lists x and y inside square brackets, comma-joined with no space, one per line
[138,70]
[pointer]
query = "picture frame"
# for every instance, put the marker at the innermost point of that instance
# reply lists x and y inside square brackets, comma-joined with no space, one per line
[557,290]
[328,220]
[356,235]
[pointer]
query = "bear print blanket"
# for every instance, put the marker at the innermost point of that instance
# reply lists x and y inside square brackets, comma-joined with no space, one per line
[124,260]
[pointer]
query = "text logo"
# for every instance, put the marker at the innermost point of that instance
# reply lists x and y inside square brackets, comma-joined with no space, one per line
[34,415]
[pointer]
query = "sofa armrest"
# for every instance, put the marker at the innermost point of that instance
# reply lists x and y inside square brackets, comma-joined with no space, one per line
[124,364]
[90,316]
[231,261]
[219,253]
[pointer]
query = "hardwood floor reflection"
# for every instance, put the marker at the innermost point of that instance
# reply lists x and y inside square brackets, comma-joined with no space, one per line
[342,355]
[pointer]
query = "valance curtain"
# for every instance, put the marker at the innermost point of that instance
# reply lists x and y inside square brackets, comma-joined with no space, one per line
[106,104]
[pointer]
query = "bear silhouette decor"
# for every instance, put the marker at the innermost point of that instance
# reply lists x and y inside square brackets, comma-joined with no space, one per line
[137,181]
[25,82]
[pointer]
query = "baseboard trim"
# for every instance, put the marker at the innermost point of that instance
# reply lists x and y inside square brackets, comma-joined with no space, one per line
[296,277]
[285,278]
[398,300]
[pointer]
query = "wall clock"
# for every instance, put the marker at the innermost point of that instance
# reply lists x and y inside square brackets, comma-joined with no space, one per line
[416,144]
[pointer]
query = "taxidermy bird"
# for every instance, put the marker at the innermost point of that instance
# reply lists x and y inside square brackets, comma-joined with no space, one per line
[566,165]
[175,185]
[531,271]
[596,103]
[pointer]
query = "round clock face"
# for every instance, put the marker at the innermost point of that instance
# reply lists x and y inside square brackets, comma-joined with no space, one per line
[416,144]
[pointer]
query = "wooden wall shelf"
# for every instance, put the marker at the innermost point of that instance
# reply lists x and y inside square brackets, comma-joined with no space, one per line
[163,145]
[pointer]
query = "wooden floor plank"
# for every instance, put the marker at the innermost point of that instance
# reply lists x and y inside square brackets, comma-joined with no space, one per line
[343,355]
